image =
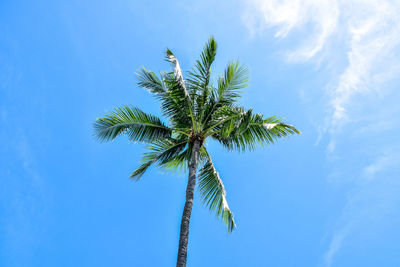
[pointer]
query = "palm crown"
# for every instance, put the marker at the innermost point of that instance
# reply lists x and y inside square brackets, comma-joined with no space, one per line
[196,110]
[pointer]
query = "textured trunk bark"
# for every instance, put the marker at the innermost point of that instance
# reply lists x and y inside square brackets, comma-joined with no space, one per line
[187,210]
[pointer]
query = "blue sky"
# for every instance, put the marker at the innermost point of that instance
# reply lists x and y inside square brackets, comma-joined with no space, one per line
[329,197]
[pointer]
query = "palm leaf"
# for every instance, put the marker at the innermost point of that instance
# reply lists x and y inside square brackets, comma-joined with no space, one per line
[161,151]
[138,125]
[199,77]
[252,131]
[150,81]
[235,78]
[179,86]
[177,70]
[212,191]
[181,161]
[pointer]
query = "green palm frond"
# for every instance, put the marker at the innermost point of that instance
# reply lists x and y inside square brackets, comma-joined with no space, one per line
[177,70]
[179,85]
[199,77]
[174,105]
[250,130]
[229,87]
[235,78]
[210,107]
[138,125]
[181,161]
[172,95]
[223,117]
[149,81]
[160,152]
[213,193]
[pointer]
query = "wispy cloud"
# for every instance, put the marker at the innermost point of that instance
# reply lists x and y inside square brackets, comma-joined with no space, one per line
[388,160]
[335,244]
[287,16]
[362,97]
[367,31]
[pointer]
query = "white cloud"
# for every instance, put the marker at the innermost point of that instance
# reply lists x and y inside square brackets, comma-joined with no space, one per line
[389,160]
[335,245]
[288,15]
[374,34]
[369,32]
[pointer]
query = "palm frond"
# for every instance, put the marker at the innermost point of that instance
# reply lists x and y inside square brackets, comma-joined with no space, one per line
[161,151]
[199,77]
[212,191]
[223,116]
[181,161]
[175,105]
[250,130]
[177,70]
[136,124]
[149,81]
[235,78]
[178,78]
[167,88]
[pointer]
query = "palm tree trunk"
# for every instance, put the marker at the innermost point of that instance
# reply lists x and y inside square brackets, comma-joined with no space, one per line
[187,210]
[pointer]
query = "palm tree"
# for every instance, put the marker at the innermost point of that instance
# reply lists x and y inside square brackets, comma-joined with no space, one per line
[196,110]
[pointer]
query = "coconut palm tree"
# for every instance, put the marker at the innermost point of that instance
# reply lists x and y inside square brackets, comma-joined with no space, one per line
[197,110]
